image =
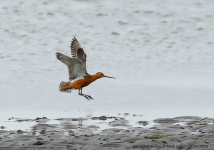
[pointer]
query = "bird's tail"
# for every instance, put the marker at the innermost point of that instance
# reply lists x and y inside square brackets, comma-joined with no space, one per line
[66,87]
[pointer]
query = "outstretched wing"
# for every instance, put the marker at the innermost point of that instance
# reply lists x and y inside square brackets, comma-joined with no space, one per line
[63,58]
[74,67]
[78,53]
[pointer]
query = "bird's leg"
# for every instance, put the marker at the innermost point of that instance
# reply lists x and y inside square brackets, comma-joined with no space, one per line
[88,97]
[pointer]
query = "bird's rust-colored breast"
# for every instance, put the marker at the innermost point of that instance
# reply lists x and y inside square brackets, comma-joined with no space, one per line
[79,84]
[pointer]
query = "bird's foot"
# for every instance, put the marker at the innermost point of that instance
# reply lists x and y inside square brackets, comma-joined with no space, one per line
[88,97]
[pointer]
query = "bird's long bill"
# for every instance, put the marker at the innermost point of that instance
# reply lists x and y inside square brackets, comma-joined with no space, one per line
[110,77]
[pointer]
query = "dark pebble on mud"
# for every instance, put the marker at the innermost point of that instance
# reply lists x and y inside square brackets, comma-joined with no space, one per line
[38,143]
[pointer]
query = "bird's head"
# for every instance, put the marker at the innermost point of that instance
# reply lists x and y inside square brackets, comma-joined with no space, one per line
[100,75]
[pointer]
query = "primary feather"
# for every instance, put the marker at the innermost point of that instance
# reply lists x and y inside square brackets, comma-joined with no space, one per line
[78,53]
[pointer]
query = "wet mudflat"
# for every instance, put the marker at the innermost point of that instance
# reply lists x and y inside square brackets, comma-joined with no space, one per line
[186,132]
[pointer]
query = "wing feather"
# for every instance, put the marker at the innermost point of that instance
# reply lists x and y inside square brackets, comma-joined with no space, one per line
[77,64]
[75,45]
[78,53]
[63,58]
[75,69]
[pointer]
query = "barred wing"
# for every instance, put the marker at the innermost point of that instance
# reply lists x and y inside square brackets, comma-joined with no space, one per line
[78,53]
[75,69]
[75,45]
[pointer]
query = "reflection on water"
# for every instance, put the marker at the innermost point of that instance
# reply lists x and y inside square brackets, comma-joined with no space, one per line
[78,125]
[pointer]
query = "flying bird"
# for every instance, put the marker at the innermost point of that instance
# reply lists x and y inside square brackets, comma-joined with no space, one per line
[78,75]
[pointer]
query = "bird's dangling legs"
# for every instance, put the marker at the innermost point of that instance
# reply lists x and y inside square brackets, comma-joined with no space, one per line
[88,97]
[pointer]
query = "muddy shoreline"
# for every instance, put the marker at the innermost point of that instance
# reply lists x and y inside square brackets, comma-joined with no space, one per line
[186,132]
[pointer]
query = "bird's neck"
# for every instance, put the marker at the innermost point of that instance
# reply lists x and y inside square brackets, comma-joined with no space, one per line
[93,77]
